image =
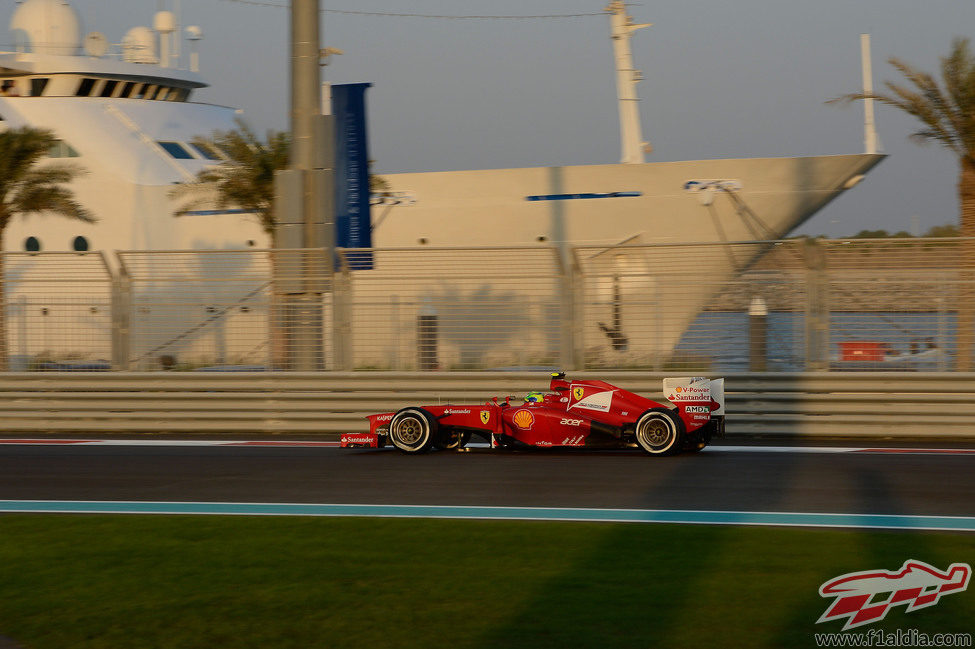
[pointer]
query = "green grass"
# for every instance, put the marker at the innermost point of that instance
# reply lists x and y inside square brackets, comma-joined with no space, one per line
[170,581]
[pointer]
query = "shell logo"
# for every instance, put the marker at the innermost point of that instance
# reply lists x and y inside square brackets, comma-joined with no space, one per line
[524,419]
[679,389]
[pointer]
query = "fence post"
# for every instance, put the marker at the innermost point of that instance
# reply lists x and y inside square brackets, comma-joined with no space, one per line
[569,291]
[965,336]
[757,335]
[817,307]
[342,352]
[121,307]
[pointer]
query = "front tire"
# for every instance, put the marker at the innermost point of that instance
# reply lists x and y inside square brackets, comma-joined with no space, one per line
[658,433]
[412,430]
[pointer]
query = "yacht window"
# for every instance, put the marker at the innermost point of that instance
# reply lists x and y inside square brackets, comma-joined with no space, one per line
[176,150]
[61,149]
[163,91]
[31,244]
[205,150]
[140,91]
[80,244]
[151,92]
[85,87]
[127,90]
[37,86]
[109,88]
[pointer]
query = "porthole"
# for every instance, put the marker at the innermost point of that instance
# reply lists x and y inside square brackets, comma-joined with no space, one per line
[80,244]
[32,244]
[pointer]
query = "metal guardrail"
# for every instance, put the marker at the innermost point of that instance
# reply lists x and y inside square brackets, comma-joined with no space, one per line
[854,404]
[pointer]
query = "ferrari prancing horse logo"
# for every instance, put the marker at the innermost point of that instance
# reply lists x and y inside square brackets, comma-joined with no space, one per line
[577,393]
[485,416]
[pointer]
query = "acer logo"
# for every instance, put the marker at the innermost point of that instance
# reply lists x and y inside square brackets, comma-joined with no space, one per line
[571,422]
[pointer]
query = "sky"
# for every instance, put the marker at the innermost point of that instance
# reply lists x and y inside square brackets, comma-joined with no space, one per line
[722,79]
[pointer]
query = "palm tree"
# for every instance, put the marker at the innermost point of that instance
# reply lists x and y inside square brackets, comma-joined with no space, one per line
[947,116]
[30,184]
[244,180]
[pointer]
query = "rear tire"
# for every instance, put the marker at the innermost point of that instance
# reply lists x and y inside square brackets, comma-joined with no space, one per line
[412,430]
[658,433]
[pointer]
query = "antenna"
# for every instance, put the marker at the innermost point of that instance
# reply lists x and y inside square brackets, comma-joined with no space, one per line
[164,23]
[177,50]
[194,34]
[869,125]
[631,140]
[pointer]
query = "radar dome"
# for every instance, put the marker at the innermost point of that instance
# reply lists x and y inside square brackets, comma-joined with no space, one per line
[46,27]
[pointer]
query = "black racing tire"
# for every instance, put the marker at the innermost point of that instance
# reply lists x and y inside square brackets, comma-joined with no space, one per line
[413,430]
[658,432]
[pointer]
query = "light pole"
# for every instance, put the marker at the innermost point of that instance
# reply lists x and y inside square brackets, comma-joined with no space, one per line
[304,198]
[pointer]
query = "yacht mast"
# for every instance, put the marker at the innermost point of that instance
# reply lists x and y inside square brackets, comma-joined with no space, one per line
[632,145]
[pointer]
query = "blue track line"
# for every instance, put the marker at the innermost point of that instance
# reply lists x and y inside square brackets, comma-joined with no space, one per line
[862,521]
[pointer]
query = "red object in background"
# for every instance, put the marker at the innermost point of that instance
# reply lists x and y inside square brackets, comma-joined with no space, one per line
[863,350]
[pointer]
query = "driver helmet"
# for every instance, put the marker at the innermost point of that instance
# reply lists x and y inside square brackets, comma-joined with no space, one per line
[534,397]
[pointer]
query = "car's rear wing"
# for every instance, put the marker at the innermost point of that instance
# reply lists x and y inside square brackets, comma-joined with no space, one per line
[696,391]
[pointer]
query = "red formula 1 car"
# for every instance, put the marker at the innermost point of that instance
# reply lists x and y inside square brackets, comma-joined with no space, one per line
[591,414]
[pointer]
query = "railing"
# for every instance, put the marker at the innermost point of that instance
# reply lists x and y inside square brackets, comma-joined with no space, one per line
[865,404]
[784,307]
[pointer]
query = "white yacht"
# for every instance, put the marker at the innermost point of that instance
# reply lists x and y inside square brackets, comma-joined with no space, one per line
[125,113]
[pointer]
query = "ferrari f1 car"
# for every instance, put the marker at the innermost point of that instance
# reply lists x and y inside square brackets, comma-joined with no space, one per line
[583,413]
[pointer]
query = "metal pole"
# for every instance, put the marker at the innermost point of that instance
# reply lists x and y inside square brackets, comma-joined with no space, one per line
[757,335]
[631,139]
[305,82]
[311,162]
[869,126]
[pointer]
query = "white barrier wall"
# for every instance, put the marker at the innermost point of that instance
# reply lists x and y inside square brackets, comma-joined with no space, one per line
[855,404]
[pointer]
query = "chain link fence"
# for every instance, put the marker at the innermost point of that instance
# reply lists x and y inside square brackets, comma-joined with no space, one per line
[58,311]
[794,305]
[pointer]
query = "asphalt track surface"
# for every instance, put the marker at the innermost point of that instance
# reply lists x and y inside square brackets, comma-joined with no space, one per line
[758,479]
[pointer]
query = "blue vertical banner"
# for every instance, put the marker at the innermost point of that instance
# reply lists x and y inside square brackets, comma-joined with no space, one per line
[353,222]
